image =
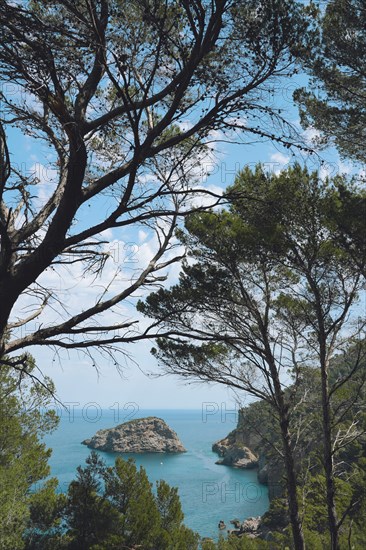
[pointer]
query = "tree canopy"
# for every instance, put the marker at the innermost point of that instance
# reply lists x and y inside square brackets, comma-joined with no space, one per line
[115,507]
[24,419]
[124,98]
[335,102]
[120,103]
[270,287]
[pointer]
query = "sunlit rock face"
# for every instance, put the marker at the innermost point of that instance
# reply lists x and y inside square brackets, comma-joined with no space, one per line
[142,435]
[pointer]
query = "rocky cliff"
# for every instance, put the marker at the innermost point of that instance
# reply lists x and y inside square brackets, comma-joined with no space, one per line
[234,452]
[248,446]
[142,435]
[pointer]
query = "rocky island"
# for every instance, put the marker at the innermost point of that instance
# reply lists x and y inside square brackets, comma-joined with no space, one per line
[142,435]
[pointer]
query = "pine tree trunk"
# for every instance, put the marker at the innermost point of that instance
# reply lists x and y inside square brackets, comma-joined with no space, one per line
[291,484]
[291,478]
[328,463]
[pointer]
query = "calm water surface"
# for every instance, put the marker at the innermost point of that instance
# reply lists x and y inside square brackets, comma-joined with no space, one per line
[208,492]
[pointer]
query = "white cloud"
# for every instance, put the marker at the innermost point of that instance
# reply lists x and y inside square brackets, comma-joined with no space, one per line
[142,235]
[239,121]
[279,161]
[345,168]
[47,177]
[107,234]
[184,125]
[280,158]
[325,171]
[208,197]
[311,136]
[362,175]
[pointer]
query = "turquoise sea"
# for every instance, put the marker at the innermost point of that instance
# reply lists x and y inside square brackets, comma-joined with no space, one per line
[208,492]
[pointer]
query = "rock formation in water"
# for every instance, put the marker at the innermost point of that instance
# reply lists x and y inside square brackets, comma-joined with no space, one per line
[247,447]
[234,453]
[142,435]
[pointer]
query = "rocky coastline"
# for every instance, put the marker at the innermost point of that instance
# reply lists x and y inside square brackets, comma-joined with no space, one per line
[234,453]
[244,448]
[252,528]
[248,447]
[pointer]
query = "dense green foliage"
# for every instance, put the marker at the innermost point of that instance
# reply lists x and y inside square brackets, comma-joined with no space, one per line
[274,286]
[335,104]
[23,456]
[350,459]
[115,507]
[351,469]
